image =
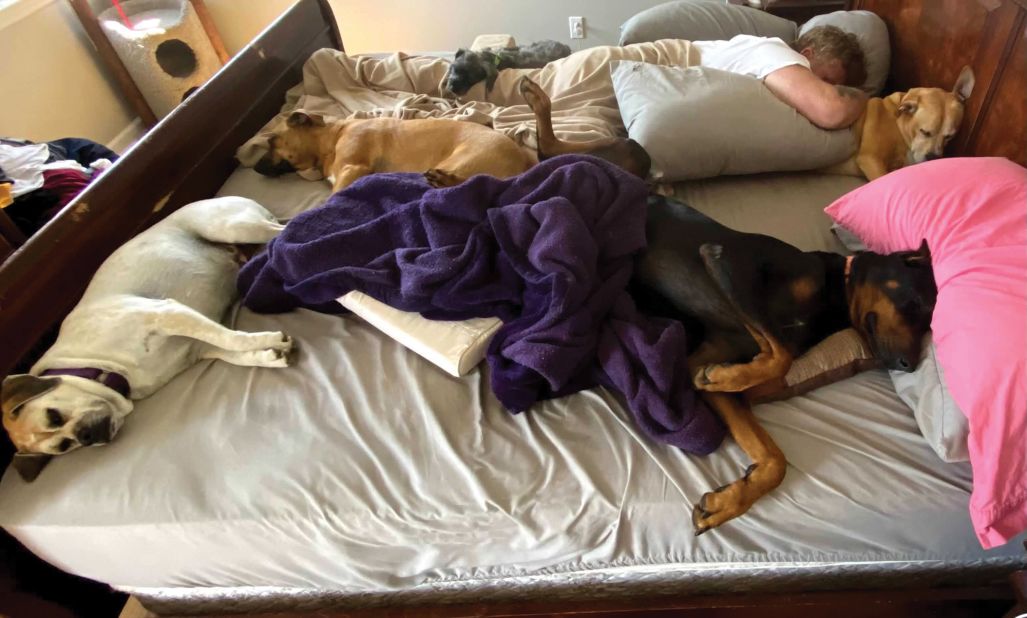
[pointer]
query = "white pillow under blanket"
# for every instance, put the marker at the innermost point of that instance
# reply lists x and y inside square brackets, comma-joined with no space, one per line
[940,419]
[457,347]
[872,33]
[699,122]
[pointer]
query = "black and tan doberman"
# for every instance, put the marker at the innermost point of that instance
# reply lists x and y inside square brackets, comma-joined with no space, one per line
[751,303]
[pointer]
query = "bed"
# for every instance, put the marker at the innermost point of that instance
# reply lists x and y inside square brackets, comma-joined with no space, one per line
[370,478]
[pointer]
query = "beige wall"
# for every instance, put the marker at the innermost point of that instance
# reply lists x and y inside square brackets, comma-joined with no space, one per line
[435,25]
[55,85]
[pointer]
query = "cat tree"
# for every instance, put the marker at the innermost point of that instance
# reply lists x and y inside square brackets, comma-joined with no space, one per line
[160,51]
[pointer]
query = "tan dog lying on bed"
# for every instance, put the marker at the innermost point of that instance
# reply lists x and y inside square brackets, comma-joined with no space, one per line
[906,128]
[151,311]
[447,152]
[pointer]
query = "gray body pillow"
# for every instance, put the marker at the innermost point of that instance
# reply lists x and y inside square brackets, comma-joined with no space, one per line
[699,122]
[703,20]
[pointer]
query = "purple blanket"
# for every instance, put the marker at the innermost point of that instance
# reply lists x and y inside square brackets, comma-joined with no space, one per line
[549,252]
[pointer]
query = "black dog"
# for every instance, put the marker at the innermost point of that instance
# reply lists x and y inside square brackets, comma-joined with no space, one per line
[753,303]
[470,67]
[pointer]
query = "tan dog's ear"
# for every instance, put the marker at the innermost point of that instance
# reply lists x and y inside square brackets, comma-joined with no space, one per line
[303,119]
[909,104]
[19,389]
[29,465]
[964,84]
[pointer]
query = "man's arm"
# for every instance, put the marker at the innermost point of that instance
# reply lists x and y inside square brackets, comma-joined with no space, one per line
[826,106]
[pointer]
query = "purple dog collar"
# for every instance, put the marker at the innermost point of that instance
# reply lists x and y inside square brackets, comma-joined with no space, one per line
[111,380]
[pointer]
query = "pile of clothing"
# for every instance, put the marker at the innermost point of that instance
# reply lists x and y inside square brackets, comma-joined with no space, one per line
[44,177]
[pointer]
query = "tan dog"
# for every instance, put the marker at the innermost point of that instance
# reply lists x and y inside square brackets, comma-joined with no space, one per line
[447,152]
[907,127]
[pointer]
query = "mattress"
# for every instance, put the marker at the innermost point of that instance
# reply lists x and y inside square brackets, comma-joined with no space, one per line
[366,475]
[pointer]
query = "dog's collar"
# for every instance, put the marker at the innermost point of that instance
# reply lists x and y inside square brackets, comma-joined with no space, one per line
[111,380]
[848,267]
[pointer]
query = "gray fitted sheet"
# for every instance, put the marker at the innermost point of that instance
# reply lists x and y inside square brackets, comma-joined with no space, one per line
[366,474]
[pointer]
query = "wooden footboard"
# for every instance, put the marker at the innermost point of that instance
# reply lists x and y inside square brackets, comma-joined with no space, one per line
[186,157]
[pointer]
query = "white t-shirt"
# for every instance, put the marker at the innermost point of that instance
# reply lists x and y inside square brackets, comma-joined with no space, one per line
[749,55]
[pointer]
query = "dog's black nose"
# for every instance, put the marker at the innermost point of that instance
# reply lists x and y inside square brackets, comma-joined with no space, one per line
[267,168]
[901,364]
[931,156]
[97,432]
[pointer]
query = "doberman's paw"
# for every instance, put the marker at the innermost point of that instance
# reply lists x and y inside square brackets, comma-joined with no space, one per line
[440,178]
[536,98]
[724,503]
[721,378]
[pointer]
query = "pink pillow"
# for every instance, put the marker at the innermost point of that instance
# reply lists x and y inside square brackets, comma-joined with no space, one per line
[973,213]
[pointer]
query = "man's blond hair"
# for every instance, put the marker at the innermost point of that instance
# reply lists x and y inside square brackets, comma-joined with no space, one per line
[830,42]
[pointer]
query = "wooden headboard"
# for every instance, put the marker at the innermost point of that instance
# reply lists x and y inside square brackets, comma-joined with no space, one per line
[931,40]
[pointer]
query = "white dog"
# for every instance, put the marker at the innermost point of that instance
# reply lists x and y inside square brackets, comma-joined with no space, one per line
[151,311]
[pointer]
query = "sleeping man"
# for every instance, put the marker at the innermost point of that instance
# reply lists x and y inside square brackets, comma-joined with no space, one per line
[805,75]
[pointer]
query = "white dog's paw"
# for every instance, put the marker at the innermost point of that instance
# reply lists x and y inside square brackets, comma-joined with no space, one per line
[273,340]
[273,358]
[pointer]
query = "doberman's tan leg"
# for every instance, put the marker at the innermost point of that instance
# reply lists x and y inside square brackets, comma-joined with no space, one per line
[766,472]
[773,361]
[625,153]
[548,144]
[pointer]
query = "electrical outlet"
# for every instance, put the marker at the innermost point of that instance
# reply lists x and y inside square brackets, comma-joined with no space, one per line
[577,25]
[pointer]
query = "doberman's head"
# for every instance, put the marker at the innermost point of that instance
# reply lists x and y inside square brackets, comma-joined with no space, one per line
[891,300]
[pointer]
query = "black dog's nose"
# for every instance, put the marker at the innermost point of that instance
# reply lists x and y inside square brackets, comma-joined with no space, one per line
[98,432]
[901,364]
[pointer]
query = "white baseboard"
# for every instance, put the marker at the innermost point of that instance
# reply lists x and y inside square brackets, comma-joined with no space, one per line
[127,136]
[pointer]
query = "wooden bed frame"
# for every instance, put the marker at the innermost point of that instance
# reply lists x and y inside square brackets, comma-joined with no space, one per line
[190,154]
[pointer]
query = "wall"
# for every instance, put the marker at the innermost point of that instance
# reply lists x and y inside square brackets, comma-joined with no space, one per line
[56,86]
[52,81]
[375,25]
[435,25]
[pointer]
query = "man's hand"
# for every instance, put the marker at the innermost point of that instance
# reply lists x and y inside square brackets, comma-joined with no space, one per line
[827,106]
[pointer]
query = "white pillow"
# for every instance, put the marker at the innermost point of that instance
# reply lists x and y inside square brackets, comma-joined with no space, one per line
[699,122]
[456,347]
[941,421]
[872,33]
